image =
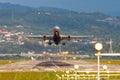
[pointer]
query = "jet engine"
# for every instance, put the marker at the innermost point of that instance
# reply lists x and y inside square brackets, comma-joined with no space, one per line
[63,43]
[44,38]
[69,37]
[50,43]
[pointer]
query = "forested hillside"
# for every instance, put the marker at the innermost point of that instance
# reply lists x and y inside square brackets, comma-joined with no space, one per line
[41,21]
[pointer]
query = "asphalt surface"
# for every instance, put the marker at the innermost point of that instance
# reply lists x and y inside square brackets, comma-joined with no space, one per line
[36,65]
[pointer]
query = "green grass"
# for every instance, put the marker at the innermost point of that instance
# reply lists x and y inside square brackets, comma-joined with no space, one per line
[52,76]
[106,61]
[31,75]
[27,76]
[2,62]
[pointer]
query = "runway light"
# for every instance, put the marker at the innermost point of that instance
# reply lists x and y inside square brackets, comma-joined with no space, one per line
[108,71]
[105,67]
[67,72]
[87,72]
[98,46]
[76,66]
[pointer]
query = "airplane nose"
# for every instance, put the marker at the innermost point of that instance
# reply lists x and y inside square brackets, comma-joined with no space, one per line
[57,28]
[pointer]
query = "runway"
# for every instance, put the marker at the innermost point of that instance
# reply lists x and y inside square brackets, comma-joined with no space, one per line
[59,65]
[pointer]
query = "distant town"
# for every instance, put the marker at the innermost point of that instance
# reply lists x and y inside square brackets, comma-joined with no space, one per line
[13,36]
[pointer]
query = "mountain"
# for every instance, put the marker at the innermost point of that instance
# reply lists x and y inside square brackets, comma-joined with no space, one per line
[47,17]
[42,20]
[9,6]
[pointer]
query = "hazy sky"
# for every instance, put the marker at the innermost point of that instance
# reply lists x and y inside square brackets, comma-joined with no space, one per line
[106,6]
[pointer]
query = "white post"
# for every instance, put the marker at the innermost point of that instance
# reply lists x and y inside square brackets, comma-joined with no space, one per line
[76,68]
[98,47]
[98,67]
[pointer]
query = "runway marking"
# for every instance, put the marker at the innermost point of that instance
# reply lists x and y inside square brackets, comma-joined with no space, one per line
[31,66]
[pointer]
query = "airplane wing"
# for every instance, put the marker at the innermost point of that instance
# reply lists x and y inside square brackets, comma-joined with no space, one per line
[63,37]
[44,37]
[75,37]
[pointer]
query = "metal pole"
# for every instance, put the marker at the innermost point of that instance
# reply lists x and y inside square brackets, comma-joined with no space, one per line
[75,74]
[59,48]
[98,65]
[98,47]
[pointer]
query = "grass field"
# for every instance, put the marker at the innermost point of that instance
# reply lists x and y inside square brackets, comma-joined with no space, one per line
[52,76]
[2,62]
[107,61]
[27,76]
[72,75]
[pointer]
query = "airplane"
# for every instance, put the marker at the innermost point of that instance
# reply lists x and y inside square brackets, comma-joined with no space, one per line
[56,38]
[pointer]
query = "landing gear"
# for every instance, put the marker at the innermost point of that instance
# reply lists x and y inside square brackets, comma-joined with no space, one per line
[63,43]
[50,43]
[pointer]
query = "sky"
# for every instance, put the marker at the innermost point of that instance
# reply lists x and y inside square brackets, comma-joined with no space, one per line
[111,7]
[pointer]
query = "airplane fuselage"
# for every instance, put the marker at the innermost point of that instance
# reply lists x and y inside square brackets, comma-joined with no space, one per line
[56,35]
